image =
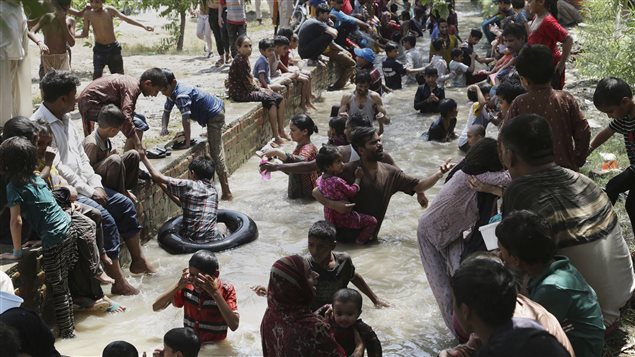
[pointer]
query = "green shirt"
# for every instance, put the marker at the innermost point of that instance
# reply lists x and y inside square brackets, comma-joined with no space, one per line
[39,208]
[564,293]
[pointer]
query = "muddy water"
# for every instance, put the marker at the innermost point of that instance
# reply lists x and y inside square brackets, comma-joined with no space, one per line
[412,327]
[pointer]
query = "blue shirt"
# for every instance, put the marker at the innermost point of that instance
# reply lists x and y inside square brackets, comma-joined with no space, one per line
[39,208]
[393,70]
[194,103]
[342,18]
[262,66]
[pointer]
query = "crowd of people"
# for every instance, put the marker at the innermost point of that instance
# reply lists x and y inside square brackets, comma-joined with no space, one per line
[562,270]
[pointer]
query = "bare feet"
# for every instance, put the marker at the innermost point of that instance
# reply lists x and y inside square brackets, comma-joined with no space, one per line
[103,278]
[141,266]
[123,288]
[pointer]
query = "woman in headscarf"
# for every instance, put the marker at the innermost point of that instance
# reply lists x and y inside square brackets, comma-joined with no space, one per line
[289,328]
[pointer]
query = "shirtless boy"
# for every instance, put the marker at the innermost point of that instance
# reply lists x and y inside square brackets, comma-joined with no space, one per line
[107,51]
[59,34]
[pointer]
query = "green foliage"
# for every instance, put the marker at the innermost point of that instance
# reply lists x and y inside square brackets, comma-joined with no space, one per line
[607,39]
[175,11]
[439,6]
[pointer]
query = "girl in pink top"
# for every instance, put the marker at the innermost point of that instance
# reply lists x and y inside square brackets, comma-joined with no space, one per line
[329,161]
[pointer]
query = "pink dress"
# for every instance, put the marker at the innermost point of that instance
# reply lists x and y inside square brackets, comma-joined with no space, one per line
[336,189]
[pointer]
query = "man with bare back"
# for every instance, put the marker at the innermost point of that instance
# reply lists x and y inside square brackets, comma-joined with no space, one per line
[58,31]
[107,51]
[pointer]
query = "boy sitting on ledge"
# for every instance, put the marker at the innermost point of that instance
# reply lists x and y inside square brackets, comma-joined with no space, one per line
[197,196]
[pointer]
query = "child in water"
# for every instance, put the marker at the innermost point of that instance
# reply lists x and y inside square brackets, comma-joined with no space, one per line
[329,161]
[336,135]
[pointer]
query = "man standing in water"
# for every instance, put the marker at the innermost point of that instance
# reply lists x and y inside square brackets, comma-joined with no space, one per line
[364,102]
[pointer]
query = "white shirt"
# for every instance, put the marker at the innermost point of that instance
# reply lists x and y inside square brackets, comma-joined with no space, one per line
[72,163]
[414,59]
[442,68]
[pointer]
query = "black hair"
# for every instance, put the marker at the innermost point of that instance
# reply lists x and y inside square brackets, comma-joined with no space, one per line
[43,128]
[505,1]
[411,39]
[335,109]
[240,40]
[529,137]
[361,135]
[446,105]
[184,340]
[19,126]
[437,44]
[394,8]
[304,122]
[110,116]
[18,159]
[526,235]
[120,349]
[359,120]
[265,43]
[419,10]
[552,6]
[285,32]
[203,166]
[430,71]
[338,124]
[321,9]
[487,288]
[535,63]
[64,4]
[280,41]
[508,90]
[339,2]
[515,30]
[9,340]
[455,53]
[405,16]
[56,84]
[391,46]
[347,295]
[155,76]
[205,261]
[518,4]
[441,19]
[482,157]
[326,157]
[477,33]
[322,230]
[169,75]
[610,91]
[472,95]
[362,76]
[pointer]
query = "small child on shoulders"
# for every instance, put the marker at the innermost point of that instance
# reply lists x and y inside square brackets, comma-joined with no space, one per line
[209,303]
[442,130]
[429,94]
[329,161]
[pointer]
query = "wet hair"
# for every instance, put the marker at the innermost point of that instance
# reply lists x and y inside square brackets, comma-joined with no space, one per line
[456,52]
[391,46]
[155,76]
[323,230]
[265,44]
[335,109]
[18,159]
[446,105]
[169,75]
[410,39]
[535,63]
[338,124]
[110,117]
[285,32]
[322,8]
[610,91]
[508,90]
[505,1]
[240,40]
[529,137]
[478,129]
[518,4]
[205,261]
[361,135]
[487,288]
[515,30]
[358,120]
[477,33]
[184,340]
[347,295]
[203,166]
[19,126]
[304,122]
[56,84]
[120,349]
[527,236]
[472,95]
[362,76]
[430,71]
[280,41]
[482,157]
[326,157]
[437,44]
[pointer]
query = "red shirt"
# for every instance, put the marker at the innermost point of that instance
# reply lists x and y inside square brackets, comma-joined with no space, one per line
[201,312]
[347,8]
[550,33]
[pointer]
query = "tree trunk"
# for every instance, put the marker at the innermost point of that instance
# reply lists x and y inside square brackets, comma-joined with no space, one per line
[179,42]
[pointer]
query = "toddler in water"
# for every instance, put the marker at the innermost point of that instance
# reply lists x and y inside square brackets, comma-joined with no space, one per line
[329,161]
[350,331]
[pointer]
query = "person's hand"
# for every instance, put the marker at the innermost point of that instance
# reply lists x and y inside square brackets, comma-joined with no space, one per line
[9,256]
[220,21]
[381,303]
[359,173]
[185,278]
[268,166]
[434,98]
[343,115]
[164,132]
[207,283]
[43,47]
[100,196]
[75,207]
[148,28]
[343,206]
[480,186]
[259,290]
[559,67]
[158,352]
[49,156]
[277,153]
[422,199]
[446,166]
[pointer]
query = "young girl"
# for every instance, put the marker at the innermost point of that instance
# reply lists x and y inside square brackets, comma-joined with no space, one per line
[329,161]
[242,88]
[336,135]
[300,185]
[442,129]
[28,197]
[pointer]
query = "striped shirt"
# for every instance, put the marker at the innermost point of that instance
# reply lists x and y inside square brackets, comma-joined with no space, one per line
[626,127]
[235,11]
[199,201]
[201,312]
[194,103]
[576,209]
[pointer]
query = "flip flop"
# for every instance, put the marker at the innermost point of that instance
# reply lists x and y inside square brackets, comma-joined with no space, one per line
[113,307]
[180,145]
[155,154]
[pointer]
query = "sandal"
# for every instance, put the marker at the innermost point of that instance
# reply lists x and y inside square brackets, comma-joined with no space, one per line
[180,145]
[155,154]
